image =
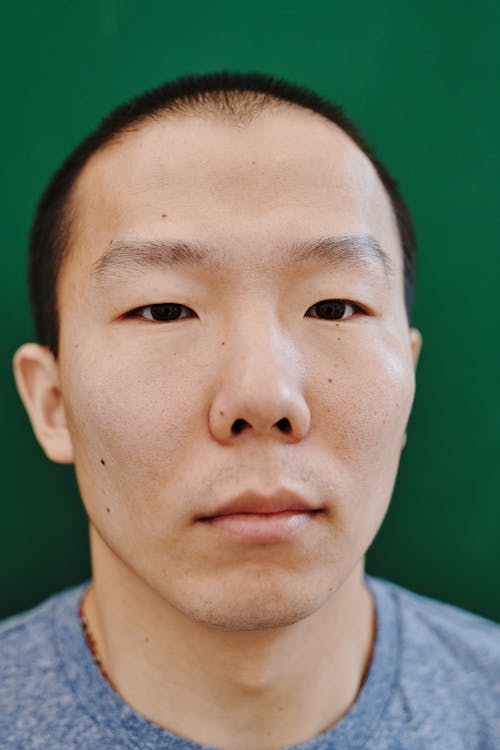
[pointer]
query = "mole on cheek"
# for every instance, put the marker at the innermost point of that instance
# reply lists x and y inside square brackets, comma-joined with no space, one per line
[164,216]
[107,510]
[329,380]
[103,462]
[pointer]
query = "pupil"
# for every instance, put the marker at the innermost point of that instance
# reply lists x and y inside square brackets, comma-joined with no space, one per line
[167,311]
[333,309]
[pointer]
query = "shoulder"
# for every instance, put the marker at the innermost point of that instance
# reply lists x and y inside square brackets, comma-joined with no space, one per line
[27,640]
[448,632]
[32,683]
[448,674]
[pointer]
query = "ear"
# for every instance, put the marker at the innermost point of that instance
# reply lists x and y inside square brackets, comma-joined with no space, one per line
[37,378]
[416,345]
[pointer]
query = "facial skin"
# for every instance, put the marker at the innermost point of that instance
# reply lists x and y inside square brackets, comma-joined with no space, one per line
[145,409]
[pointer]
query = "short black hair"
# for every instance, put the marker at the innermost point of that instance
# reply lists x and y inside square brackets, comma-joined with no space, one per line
[239,96]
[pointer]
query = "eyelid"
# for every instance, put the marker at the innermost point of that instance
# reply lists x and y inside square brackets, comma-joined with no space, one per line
[135,313]
[357,308]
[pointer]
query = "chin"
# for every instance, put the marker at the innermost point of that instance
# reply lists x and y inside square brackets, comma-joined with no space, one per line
[250,618]
[256,607]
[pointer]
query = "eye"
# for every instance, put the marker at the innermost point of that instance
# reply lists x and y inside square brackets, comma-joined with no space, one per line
[335,309]
[162,312]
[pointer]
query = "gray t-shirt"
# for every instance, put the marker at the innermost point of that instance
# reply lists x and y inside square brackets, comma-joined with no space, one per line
[433,684]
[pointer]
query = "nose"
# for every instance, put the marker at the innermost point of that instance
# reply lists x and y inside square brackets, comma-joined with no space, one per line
[260,389]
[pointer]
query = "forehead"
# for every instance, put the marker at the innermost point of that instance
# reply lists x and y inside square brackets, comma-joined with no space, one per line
[287,174]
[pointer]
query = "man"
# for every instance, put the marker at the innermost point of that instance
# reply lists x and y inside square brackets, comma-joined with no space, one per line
[221,278]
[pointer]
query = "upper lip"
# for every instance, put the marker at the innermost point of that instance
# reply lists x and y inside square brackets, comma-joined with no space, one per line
[253,502]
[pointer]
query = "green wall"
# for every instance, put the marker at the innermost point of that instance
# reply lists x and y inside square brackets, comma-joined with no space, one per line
[421,79]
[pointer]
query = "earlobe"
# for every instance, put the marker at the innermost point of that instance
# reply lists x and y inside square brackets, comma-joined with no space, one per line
[416,345]
[37,378]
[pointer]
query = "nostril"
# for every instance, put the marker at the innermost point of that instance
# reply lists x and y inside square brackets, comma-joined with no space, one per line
[284,424]
[239,426]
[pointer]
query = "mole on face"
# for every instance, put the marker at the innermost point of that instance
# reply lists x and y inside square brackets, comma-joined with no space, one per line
[103,462]
[107,510]
[329,380]
[164,216]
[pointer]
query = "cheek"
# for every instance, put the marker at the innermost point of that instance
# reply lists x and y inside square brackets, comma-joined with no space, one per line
[364,411]
[369,395]
[361,422]
[135,415]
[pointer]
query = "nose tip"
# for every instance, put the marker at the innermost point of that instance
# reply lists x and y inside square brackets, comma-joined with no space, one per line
[260,415]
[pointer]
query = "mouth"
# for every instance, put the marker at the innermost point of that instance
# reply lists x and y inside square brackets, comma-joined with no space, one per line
[263,518]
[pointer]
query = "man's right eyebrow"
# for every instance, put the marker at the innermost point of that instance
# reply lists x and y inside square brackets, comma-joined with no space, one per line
[121,255]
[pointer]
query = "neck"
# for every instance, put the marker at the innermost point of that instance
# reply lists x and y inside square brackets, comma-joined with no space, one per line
[250,689]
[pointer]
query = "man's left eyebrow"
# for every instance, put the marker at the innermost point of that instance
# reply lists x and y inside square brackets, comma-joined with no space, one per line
[355,250]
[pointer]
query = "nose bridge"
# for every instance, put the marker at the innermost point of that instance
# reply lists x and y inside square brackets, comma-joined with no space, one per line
[261,381]
[263,352]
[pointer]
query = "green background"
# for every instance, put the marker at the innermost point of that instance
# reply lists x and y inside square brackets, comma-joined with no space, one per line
[421,79]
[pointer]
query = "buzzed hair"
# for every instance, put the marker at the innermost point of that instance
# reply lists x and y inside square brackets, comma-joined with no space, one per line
[237,96]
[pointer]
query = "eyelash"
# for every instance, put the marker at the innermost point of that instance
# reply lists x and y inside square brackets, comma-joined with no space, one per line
[136,313]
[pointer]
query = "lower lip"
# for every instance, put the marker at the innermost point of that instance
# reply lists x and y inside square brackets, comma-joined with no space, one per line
[263,527]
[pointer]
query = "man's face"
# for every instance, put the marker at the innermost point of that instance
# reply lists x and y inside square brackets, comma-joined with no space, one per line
[250,385]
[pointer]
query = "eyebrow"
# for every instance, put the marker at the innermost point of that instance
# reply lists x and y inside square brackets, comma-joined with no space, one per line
[355,250]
